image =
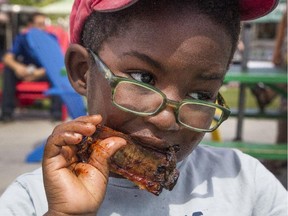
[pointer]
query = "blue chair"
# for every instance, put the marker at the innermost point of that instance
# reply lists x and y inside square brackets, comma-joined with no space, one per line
[45,48]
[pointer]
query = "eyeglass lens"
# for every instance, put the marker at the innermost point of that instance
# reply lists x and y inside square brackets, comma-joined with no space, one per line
[200,116]
[137,98]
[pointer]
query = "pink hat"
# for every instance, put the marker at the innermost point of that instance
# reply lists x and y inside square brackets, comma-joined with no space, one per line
[249,9]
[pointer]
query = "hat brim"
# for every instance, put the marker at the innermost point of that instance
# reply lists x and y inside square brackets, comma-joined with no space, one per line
[112,5]
[249,9]
[253,9]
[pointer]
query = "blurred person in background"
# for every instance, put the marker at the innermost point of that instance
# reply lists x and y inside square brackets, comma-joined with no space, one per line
[20,65]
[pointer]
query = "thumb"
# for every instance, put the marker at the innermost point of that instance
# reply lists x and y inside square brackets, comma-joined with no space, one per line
[102,151]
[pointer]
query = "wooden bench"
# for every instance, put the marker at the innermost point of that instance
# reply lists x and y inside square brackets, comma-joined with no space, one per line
[257,150]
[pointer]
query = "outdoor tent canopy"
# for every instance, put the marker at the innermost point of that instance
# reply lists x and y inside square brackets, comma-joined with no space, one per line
[58,7]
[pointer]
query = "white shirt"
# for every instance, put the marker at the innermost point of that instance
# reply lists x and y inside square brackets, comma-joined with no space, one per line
[213,181]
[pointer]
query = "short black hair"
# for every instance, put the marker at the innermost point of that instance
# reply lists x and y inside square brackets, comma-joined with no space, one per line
[33,15]
[100,26]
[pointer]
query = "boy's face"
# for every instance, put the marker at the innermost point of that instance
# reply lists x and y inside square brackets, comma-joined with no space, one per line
[184,59]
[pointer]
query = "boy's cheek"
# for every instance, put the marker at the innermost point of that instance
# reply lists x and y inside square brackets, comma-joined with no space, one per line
[111,115]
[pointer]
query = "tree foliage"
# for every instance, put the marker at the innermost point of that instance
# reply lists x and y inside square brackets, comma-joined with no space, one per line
[36,3]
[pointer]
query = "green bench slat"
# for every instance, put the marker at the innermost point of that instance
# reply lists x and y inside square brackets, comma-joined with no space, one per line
[255,113]
[260,151]
[256,75]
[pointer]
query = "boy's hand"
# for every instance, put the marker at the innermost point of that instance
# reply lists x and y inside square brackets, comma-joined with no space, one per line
[73,187]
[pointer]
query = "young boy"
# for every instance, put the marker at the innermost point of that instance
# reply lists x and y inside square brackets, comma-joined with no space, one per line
[164,63]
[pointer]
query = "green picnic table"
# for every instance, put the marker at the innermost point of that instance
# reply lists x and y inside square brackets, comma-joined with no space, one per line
[259,72]
[258,150]
[269,76]
[256,75]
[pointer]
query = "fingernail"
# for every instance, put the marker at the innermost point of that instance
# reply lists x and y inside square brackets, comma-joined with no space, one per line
[77,135]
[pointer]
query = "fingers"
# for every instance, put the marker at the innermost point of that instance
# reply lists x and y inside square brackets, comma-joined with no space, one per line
[84,125]
[60,150]
[69,134]
[57,141]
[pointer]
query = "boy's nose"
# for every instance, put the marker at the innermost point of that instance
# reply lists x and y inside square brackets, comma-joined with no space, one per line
[164,120]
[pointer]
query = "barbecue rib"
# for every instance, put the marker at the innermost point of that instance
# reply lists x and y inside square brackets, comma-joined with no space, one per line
[150,169]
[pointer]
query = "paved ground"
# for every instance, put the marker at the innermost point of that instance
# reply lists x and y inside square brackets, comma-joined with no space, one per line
[17,140]
[21,136]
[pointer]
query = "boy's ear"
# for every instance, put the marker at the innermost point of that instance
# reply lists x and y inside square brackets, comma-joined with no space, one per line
[77,65]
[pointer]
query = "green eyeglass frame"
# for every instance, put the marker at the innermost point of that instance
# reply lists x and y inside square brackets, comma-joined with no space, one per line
[114,80]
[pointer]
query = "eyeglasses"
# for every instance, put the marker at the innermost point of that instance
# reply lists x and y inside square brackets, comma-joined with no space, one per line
[145,100]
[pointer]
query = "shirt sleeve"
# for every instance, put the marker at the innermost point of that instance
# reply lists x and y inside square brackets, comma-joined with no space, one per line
[16,193]
[25,196]
[17,46]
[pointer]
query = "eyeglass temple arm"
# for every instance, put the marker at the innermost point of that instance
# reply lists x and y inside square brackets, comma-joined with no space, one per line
[221,101]
[102,67]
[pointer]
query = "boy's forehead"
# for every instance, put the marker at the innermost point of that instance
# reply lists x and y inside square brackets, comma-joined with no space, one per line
[249,9]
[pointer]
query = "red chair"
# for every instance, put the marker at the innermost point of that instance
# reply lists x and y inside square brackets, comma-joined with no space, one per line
[28,92]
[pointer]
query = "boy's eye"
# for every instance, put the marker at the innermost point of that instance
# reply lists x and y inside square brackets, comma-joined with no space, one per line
[205,96]
[143,77]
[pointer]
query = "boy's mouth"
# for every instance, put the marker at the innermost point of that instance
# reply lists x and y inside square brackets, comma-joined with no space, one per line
[151,142]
